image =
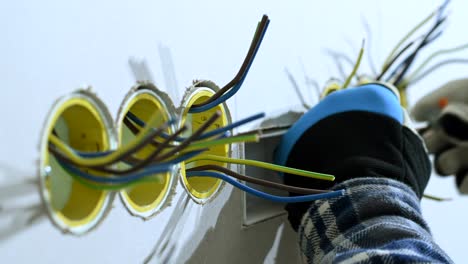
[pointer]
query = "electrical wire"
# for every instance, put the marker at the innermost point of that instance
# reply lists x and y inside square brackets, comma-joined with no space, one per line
[442,8]
[191,138]
[265,165]
[144,162]
[226,134]
[428,39]
[257,181]
[113,187]
[251,137]
[394,59]
[274,198]
[355,68]
[112,158]
[407,36]
[340,55]
[135,130]
[132,117]
[410,59]
[234,85]
[258,36]
[309,81]
[231,126]
[210,133]
[369,49]
[137,166]
[435,67]
[63,158]
[133,146]
[436,198]
[337,57]
[296,89]
[155,169]
[242,71]
[434,55]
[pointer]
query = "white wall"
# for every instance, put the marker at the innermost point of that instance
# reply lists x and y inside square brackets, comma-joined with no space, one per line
[49,48]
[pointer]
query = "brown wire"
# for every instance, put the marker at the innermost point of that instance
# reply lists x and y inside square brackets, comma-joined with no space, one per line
[257,181]
[151,158]
[135,130]
[122,156]
[138,163]
[191,138]
[250,54]
[133,160]
[398,55]
[144,162]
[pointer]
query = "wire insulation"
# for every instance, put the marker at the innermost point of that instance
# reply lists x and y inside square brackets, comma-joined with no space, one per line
[156,169]
[265,165]
[227,92]
[432,56]
[407,36]
[274,198]
[135,145]
[258,181]
[355,68]
[210,133]
[435,67]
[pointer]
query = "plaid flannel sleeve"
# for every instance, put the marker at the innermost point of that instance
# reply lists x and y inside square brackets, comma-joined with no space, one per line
[378,221]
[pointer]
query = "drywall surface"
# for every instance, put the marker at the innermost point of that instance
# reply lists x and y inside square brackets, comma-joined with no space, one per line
[50,48]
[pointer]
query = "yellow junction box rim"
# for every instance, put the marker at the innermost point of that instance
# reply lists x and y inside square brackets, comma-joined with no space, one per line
[97,109]
[134,208]
[197,93]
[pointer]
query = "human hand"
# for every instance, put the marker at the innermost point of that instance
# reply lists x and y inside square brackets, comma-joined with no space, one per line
[352,133]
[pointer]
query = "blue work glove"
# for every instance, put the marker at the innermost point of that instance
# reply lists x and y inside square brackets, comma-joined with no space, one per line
[352,133]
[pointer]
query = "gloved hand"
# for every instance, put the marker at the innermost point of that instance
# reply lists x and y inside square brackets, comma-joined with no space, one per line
[351,133]
[446,111]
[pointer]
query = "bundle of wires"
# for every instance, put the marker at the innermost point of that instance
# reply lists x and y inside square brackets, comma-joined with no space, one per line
[397,65]
[234,85]
[98,170]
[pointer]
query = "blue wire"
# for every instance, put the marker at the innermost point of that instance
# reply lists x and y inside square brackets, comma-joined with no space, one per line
[105,153]
[141,123]
[135,119]
[442,9]
[160,168]
[208,134]
[252,191]
[223,130]
[233,90]
[231,126]
[93,154]
[150,171]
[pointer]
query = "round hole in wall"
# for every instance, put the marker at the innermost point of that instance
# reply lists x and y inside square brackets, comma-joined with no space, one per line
[81,121]
[147,198]
[202,189]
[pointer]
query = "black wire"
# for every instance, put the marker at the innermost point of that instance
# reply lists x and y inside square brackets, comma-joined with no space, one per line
[427,40]
[393,60]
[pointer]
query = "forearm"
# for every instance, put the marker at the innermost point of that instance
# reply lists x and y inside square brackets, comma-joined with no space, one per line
[378,219]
